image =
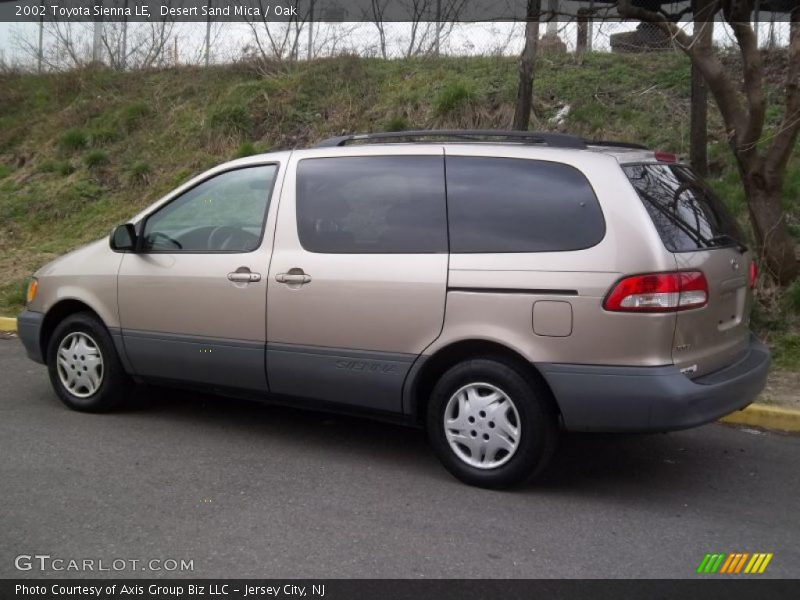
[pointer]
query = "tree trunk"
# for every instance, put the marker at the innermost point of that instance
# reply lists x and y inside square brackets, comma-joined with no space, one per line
[522,112]
[582,37]
[776,244]
[762,173]
[698,136]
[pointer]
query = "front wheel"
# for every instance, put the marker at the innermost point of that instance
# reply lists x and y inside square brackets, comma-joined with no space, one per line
[491,425]
[83,365]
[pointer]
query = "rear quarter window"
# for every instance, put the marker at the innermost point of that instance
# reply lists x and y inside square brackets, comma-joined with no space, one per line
[520,205]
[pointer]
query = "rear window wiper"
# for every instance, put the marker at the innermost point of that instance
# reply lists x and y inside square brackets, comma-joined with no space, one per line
[724,237]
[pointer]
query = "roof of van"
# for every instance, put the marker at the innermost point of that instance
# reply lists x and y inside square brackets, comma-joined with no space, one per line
[623,152]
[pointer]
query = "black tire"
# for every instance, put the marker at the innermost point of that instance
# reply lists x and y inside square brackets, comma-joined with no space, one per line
[538,424]
[114,386]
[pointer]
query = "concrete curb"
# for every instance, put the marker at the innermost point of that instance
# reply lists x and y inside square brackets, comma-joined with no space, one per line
[755,415]
[768,417]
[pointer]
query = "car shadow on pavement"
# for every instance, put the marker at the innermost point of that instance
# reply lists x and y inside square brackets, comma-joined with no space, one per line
[583,463]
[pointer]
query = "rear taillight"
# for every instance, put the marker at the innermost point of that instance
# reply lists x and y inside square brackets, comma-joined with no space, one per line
[753,275]
[658,292]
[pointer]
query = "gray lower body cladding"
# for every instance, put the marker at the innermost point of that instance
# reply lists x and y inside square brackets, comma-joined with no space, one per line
[652,399]
[29,330]
[365,379]
[198,360]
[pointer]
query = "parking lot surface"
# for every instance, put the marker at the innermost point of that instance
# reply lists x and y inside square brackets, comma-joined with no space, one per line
[249,490]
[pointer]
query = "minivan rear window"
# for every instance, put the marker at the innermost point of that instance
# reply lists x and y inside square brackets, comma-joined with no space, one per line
[520,205]
[686,212]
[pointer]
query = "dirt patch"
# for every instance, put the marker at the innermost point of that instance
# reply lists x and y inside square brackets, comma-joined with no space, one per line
[783,389]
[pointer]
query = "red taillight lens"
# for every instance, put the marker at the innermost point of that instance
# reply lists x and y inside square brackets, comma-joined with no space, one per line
[753,276]
[658,292]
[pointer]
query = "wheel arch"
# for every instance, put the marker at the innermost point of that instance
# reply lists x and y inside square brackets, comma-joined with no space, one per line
[57,313]
[424,374]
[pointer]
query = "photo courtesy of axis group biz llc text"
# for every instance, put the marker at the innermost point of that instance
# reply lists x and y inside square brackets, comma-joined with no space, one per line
[394,299]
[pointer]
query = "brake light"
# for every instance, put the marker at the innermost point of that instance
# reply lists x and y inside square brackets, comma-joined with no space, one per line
[666,156]
[658,292]
[753,275]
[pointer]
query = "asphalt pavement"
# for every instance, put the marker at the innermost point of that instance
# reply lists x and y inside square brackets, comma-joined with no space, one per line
[249,490]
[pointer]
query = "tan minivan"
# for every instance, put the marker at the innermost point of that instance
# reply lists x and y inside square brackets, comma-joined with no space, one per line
[493,287]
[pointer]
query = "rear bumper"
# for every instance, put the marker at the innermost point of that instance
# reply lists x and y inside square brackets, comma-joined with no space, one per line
[649,399]
[29,330]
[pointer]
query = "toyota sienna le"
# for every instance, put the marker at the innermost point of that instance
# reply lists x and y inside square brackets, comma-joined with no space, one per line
[491,287]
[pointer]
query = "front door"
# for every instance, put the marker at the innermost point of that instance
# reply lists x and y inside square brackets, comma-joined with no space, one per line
[192,300]
[357,286]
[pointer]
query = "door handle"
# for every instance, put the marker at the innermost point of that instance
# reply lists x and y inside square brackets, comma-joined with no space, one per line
[243,275]
[293,277]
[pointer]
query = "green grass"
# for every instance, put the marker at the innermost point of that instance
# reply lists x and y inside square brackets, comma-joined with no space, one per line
[73,140]
[397,123]
[85,150]
[453,97]
[231,119]
[95,159]
[12,294]
[246,149]
[139,174]
[133,115]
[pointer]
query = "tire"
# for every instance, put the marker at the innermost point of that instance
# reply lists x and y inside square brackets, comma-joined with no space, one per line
[483,453]
[89,377]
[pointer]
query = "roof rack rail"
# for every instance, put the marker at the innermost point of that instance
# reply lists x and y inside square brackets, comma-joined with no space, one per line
[556,140]
[615,144]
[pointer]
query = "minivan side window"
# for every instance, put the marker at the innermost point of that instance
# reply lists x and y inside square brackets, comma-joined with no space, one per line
[372,205]
[222,214]
[520,205]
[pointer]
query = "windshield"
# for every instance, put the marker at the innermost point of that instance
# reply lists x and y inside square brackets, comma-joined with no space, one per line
[686,213]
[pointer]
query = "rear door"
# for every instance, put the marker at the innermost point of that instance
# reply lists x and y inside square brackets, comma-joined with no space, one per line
[358,278]
[702,235]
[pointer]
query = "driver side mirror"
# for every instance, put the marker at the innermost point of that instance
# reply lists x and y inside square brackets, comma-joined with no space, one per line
[123,238]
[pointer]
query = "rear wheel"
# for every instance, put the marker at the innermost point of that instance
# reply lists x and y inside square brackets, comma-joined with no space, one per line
[491,425]
[84,368]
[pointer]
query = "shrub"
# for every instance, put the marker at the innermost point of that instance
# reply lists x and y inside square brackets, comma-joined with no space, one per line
[133,114]
[74,139]
[5,171]
[234,119]
[47,166]
[453,97]
[139,174]
[61,167]
[246,149]
[96,158]
[397,123]
[65,168]
[791,298]
[104,136]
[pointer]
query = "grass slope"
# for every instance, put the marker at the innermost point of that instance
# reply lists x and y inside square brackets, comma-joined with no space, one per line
[82,151]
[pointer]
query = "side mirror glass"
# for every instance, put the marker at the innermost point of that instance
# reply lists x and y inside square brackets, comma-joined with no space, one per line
[123,238]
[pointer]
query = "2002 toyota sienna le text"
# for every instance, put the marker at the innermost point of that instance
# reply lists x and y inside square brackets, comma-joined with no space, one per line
[494,292]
